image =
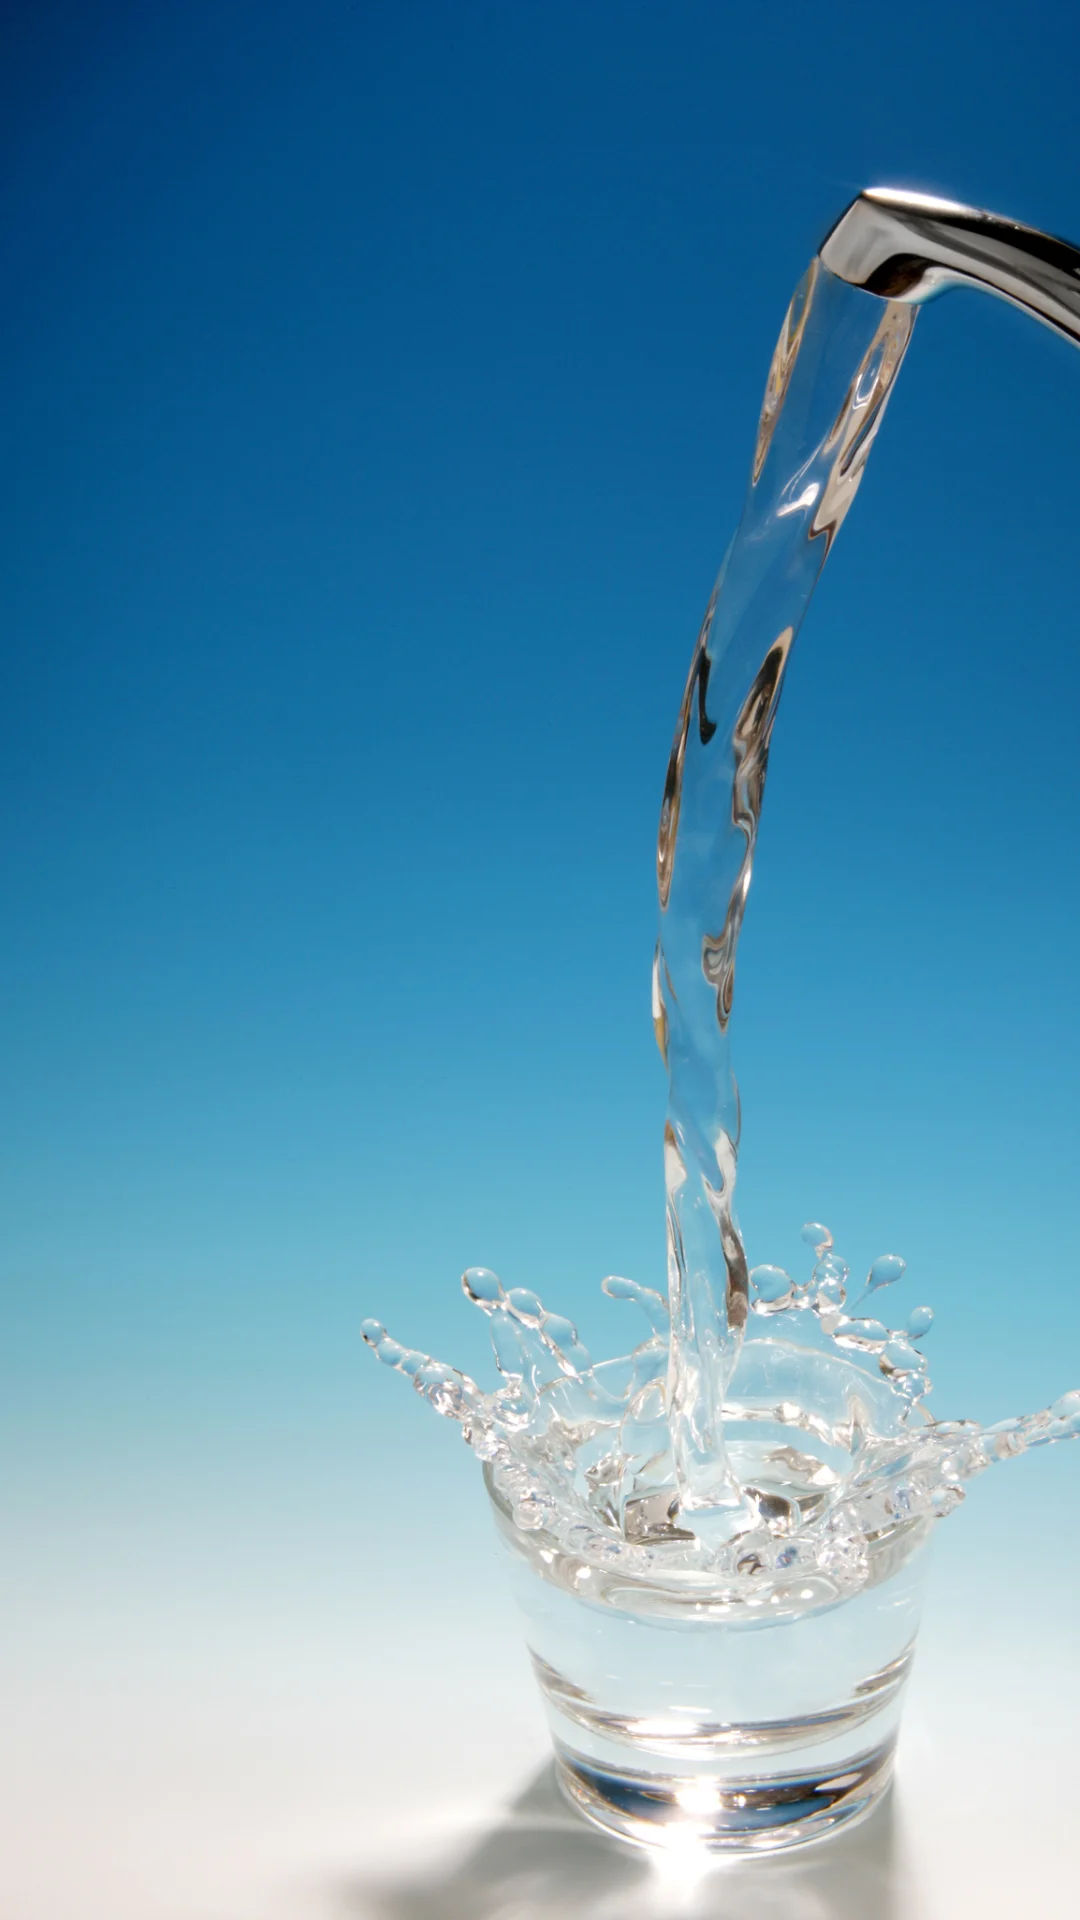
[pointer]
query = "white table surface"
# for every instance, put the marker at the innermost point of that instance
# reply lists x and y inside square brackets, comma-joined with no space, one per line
[262,1722]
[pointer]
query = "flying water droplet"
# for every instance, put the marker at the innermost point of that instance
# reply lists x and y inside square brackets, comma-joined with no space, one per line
[869,1335]
[830,1267]
[525,1306]
[830,1280]
[449,1392]
[617,1288]
[919,1321]
[816,1236]
[560,1329]
[900,1356]
[561,1335]
[483,1287]
[772,1288]
[887,1269]
[652,1304]
[511,1347]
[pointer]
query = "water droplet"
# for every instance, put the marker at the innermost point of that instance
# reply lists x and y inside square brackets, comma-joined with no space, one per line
[373,1331]
[482,1286]
[449,1401]
[509,1345]
[913,1386]
[514,1405]
[870,1335]
[901,1357]
[652,1304]
[573,1358]
[526,1306]
[919,1321]
[830,1267]
[816,1236]
[617,1288]
[771,1285]
[564,1338]
[448,1391]
[1067,1406]
[886,1270]
[830,1276]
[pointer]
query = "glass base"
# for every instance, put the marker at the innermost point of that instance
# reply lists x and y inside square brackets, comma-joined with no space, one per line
[756,1814]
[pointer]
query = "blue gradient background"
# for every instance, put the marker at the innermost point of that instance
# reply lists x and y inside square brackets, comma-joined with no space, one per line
[379,387]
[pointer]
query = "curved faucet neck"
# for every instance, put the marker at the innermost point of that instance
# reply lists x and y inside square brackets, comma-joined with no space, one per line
[910,246]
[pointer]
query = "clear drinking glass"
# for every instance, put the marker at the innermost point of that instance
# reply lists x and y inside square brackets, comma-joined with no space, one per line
[686,1709]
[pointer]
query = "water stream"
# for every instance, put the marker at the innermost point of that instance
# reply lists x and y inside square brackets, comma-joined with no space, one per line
[833,370]
[767,1431]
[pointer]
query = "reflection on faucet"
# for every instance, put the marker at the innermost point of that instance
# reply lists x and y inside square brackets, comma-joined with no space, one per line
[541,1862]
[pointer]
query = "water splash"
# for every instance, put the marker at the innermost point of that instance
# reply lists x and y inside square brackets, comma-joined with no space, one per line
[707,1468]
[580,1455]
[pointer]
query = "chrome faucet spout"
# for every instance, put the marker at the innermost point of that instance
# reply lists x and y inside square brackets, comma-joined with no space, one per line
[911,246]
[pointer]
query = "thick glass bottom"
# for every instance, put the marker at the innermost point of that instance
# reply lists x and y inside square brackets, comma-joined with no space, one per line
[753,1814]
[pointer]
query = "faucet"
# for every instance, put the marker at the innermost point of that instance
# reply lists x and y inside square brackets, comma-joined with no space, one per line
[911,246]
